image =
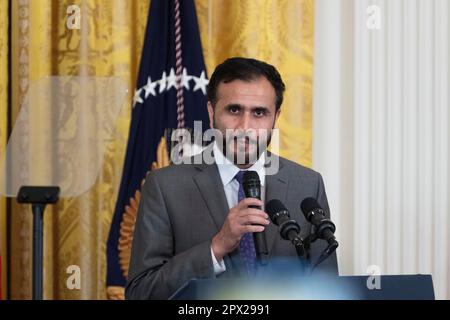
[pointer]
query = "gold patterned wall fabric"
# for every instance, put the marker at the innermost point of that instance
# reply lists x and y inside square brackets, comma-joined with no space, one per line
[280,32]
[3,129]
[109,43]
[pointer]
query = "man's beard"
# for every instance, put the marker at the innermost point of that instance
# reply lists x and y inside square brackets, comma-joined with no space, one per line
[242,149]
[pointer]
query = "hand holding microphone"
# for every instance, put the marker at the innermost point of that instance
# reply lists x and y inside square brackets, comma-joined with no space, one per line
[245,217]
[241,219]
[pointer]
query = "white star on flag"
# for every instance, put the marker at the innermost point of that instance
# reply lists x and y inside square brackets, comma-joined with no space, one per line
[201,83]
[167,82]
[171,80]
[162,82]
[185,78]
[150,88]
[137,97]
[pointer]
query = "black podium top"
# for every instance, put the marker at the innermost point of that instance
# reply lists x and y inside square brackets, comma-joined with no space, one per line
[395,287]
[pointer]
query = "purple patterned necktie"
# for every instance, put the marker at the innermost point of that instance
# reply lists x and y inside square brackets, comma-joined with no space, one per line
[246,246]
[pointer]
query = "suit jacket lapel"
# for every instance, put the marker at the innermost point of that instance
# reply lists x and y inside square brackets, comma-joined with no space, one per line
[210,186]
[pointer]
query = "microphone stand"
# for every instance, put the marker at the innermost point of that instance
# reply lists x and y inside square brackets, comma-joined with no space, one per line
[332,245]
[302,253]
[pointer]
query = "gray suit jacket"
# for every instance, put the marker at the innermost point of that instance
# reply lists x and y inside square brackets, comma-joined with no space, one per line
[182,208]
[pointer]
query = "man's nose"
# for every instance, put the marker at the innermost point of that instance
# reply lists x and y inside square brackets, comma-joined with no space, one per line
[245,121]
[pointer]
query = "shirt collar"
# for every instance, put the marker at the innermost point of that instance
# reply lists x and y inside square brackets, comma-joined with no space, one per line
[228,170]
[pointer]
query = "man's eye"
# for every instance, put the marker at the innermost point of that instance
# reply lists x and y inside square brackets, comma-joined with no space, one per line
[260,113]
[234,109]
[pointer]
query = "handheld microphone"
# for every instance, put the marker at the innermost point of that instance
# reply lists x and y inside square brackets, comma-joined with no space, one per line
[325,228]
[252,189]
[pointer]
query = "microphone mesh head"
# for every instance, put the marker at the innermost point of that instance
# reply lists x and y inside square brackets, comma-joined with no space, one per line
[251,184]
[251,177]
[309,204]
[273,207]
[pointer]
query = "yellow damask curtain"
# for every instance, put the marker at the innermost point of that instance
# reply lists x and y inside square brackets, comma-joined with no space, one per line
[109,44]
[280,32]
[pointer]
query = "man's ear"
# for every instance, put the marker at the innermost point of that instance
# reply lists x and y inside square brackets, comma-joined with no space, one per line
[211,115]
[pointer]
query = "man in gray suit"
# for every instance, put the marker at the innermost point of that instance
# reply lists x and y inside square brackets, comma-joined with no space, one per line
[194,222]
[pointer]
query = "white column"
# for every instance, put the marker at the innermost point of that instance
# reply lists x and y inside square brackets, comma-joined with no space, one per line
[333,54]
[381,134]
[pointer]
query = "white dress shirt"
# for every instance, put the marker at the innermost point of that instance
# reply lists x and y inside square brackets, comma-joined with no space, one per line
[228,171]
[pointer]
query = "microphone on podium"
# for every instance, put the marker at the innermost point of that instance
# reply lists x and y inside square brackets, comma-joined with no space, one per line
[324,228]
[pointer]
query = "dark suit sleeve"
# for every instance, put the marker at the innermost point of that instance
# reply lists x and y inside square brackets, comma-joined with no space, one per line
[155,271]
[329,266]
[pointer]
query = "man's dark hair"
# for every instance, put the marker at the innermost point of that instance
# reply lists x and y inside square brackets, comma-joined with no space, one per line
[245,69]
